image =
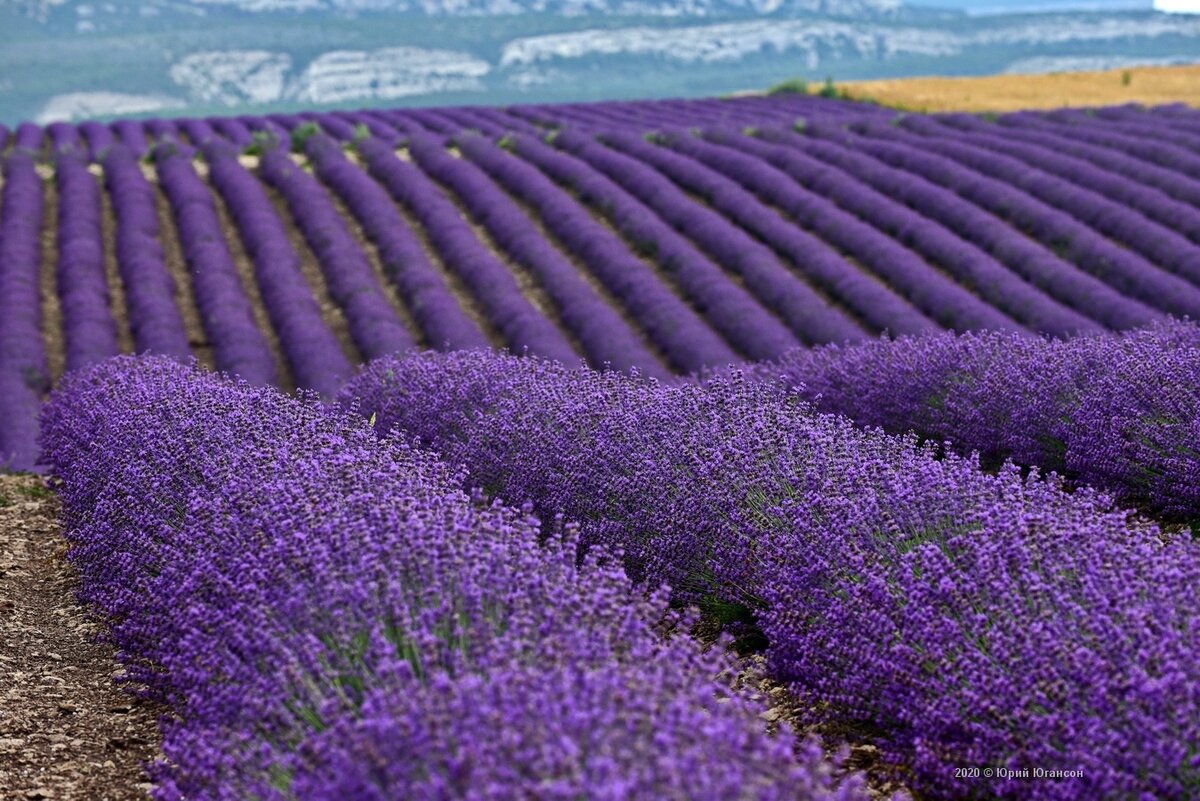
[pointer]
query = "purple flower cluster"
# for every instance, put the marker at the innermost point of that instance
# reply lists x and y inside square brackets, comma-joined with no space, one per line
[64,138]
[957,256]
[525,329]
[239,345]
[29,138]
[934,294]
[375,326]
[1028,127]
[1121,413]
[443,321]
[88,325]
[952,616]
[131,134]
[1178,218]
[331,616]
[24,373]
[605,337]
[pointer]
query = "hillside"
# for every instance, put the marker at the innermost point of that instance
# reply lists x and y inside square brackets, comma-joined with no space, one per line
[1148,85]
[74,60]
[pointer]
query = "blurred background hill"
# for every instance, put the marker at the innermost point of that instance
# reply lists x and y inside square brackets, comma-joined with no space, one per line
[70,59]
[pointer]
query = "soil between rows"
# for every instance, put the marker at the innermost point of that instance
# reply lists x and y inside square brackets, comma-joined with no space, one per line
[66,730]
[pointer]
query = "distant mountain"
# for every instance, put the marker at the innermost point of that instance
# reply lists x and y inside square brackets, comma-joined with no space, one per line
[572,8]
[67,59]
[86,9]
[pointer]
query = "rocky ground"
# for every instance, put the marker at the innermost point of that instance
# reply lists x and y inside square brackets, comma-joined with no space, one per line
[66,730]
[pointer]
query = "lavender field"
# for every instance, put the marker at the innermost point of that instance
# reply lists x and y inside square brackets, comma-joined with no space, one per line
[758,448]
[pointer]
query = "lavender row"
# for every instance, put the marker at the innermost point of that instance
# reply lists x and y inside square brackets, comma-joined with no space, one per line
[959,617]
[88,325]
[29,138]
[808,315]
[375,326]
[1059,279]
[1159,151]
[333,617]
[1031,128]
[744,323]
[1161,245]
[1117,413]
[878,307]
[605,337]
[239,346]
[150,292]
[1182,219]
[903,272]
[1119,268]
[524,328]
[99,138]
[680,332]
[1182,132]
[130,134]
[141,135]
[313,354]
[24,373]
[441,318]
[951,259]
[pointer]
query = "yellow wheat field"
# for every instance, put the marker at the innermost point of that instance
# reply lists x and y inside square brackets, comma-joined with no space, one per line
[1147,85]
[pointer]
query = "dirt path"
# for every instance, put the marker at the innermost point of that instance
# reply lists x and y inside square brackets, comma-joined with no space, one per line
[66,731]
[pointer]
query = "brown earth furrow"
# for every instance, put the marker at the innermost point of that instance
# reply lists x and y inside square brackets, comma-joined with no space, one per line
[177,268]
[372,254]
[314,276]
[112,272]
[66,730]
[52,320]
[588,277]
[245,267]
[458,288]
[529,284]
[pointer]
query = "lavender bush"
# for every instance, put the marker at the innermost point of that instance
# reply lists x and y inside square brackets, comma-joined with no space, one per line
[730,309]
[952,616]
[88,325]
[809,316]
[1121,413]
[332,617]
[375,326]
[491,282]
[24,373]
[150,292]
[678,330]
[875,304]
